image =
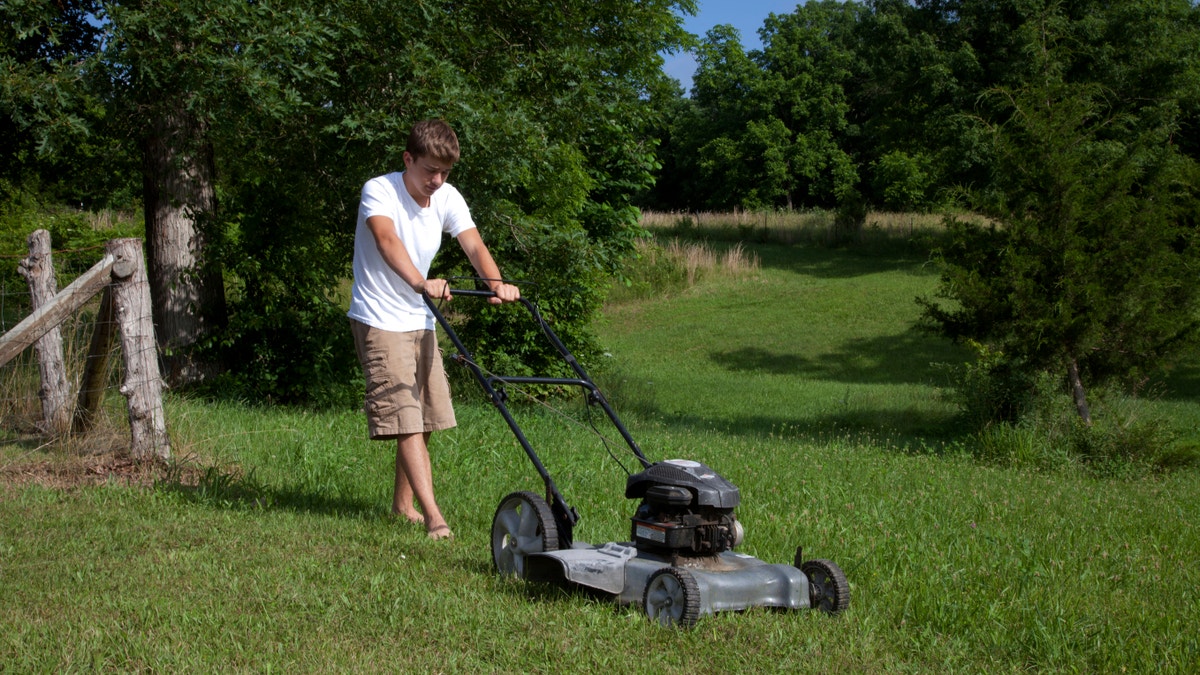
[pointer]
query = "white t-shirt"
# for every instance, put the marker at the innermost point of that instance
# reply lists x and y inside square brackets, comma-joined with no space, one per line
[379,297]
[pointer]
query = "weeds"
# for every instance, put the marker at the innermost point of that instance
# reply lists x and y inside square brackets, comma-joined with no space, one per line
[662,269]
[788,228]
[20,382]
[1032,424]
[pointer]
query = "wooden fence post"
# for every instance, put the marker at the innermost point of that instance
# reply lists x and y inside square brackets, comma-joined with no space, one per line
[38,270]
[95,370]
[123,272]
[143,380]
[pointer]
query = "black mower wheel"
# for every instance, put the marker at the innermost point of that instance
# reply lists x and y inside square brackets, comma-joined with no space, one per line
[672,598]
[828,589]
[523,524]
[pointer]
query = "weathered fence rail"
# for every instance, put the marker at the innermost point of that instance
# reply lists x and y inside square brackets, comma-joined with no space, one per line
[121,276]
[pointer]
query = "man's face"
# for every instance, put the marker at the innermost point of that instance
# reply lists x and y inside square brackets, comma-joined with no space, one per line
[425,174]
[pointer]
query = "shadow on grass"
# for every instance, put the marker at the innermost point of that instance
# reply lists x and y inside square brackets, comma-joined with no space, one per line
[553,593]
[828,263]
[231,488]
[1183,384]
[891,359]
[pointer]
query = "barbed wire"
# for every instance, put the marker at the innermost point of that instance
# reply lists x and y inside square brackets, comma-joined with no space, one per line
[55,252]
[94,371]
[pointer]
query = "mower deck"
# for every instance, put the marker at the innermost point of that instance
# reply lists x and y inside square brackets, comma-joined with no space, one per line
[724,582]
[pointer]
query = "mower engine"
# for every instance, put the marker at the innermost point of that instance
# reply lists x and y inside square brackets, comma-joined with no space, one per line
[686,509]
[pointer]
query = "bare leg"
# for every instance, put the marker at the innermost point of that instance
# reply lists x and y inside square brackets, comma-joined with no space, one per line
[402,494]
[412,458]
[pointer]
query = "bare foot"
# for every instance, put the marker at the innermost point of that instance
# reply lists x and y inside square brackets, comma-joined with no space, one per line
[441,532]
[414,517]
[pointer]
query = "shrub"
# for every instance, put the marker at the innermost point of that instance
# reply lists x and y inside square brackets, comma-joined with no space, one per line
[990,389]
[1031,423]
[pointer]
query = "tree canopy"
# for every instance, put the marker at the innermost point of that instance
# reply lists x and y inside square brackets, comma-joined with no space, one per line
[283,109]
[881,100]
[1070,124]
[245,130]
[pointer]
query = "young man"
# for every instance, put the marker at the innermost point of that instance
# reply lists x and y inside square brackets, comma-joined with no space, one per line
[401,218]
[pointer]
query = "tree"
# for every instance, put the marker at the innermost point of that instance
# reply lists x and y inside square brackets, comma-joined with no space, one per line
[258,122]
[917,76]
[808,62]
[1087,271]
[182,76]
[51,122]
[876,100]
[706,130]
[764,129]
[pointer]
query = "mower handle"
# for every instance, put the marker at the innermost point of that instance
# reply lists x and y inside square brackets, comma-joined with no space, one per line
[565,516]
[537,317]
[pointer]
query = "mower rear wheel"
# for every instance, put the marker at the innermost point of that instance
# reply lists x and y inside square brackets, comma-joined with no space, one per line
[672,598]
[523,524]
[828,589]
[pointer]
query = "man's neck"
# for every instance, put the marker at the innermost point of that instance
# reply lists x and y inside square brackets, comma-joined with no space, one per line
[421,200]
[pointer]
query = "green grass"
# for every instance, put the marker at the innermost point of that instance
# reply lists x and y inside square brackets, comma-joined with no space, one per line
[269,548]
[819,340]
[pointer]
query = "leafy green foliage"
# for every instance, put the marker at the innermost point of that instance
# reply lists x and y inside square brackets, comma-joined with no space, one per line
[56,136]
[879,101]
[40,50]
[763,129]
[77,239]
[1088,262]
[903,181]
[301,102]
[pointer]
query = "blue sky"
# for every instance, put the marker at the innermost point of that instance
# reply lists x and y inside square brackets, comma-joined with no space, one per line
[745,15]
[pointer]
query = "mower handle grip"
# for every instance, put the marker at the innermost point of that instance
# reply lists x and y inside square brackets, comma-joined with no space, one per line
[471,291]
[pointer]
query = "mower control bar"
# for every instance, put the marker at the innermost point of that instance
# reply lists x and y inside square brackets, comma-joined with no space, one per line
[564,515]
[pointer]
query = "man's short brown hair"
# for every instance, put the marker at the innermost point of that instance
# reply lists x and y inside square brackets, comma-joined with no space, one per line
[434,139]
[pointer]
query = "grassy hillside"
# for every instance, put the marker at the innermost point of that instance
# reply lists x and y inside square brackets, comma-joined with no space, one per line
[269,548]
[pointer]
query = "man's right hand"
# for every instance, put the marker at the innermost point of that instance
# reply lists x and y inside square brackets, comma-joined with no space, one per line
[438,289]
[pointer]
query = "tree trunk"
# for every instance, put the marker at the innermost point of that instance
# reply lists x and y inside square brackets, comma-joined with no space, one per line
[180,201]
[1078,393]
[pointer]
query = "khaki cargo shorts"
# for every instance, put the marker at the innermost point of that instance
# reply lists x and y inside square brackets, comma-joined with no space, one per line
[407,390]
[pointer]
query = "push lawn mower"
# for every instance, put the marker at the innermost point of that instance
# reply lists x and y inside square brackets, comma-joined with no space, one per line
[680,563]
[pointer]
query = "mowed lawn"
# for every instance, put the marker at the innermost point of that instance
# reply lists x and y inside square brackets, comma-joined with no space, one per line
[803,383]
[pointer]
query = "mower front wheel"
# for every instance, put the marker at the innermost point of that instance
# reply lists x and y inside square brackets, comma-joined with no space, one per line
[828,589]
[523,525]
[672,598]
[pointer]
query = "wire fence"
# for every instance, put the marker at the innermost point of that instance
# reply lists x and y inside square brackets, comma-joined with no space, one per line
[93,367]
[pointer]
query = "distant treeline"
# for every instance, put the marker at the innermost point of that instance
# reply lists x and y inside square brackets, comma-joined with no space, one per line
[894,104]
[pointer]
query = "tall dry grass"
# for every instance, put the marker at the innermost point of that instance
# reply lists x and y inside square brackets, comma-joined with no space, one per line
[700,260]
[774,220]
[21,414]
[794,227]
[673,265]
